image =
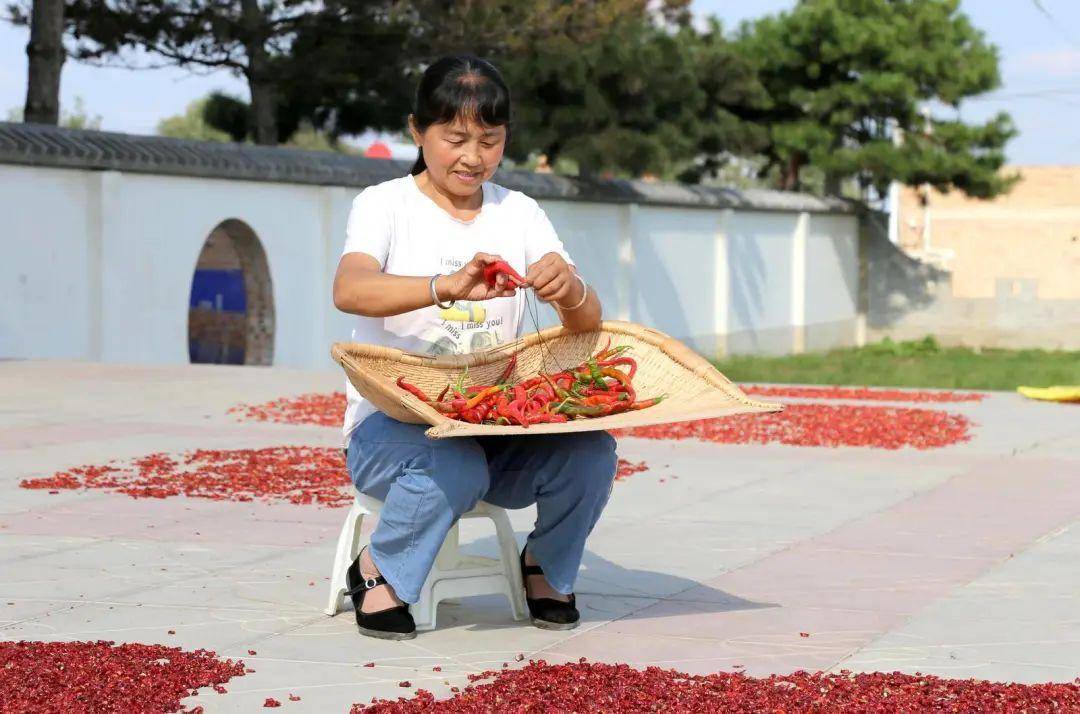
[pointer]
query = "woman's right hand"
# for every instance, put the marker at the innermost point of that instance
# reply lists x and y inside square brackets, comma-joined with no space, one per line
[468,283]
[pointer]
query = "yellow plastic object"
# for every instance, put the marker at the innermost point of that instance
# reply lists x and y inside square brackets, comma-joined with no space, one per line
[1052,394]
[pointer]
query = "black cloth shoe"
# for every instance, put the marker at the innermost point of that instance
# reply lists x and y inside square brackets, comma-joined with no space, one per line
[544,612]
[393,623]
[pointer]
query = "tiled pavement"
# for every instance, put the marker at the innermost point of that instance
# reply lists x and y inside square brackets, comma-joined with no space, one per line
[959,561]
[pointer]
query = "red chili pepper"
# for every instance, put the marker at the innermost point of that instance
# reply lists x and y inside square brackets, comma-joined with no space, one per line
[646,403]
[500,267]
[474,401]
[442,407]
[442,394]
[629,361]
[600,354]
[506,372]
[415,391]
[623,379]
[546,418]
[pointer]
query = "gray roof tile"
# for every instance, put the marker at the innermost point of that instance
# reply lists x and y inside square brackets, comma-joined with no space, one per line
[43,145]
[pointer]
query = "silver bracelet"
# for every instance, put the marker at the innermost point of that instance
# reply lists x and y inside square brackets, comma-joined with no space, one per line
[435,295]
[584,295]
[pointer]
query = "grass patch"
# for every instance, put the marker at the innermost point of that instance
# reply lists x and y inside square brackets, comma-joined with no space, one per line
[923,363]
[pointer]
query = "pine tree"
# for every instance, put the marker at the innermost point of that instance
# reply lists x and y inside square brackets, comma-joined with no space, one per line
[846,79]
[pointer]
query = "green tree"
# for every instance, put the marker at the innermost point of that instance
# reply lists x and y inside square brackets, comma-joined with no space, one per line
[76,118]
[220,117]
[367,68]
[192,124]
[245,37]
[845,81]
[624,87]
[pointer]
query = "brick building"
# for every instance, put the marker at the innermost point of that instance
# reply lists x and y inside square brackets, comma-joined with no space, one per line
[1027,241]
[1004,272]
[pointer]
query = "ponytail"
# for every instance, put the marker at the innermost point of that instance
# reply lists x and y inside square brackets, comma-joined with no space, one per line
[419,166]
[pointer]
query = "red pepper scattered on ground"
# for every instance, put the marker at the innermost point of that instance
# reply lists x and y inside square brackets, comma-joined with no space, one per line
[862,393]
[271,703]
[296,474]
[105,677]
[316,409]
[626,469]
[799,424]
[329,409]
[596,687]
[829,425]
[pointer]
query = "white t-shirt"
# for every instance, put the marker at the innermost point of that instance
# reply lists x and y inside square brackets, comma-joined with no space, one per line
[409,234]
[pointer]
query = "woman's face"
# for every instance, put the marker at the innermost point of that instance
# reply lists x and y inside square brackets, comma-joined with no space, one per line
[461,155]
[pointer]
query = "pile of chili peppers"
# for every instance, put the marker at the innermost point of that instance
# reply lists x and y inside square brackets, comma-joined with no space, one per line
[862,393]
[827,425]
[317,409]
[594,388]
[300,475]
[596,687]
[293,474]
[106,677]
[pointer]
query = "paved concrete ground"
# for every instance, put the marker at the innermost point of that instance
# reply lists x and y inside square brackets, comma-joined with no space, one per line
[959,562]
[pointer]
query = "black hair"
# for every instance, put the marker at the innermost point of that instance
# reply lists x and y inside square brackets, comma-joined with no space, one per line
[460,86]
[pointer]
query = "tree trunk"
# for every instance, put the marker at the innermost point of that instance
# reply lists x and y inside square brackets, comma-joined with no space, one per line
[263,96]
[46,54]
[263,111]
[789,174]
[833,184]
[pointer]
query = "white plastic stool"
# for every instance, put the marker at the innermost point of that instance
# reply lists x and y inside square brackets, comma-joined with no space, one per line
[454,574]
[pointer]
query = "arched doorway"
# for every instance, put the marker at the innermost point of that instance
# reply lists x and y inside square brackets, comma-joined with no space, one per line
[231,307]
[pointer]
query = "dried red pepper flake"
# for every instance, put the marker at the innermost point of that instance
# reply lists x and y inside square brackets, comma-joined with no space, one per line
[862,393]
[102,676]
[294,474]
[436,668]
[252,652]
[293,698]
[830,425]
[804,634]
[270,703]
[317,409]
[599,687]
[406,683]
[370,664]
[626,469]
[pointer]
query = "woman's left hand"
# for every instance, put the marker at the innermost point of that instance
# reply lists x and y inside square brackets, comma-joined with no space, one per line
[552,279]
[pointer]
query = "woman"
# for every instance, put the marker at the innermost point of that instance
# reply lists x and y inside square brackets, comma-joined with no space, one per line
[412,270]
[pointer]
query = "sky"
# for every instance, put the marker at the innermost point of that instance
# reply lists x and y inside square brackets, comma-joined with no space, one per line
[1039,43]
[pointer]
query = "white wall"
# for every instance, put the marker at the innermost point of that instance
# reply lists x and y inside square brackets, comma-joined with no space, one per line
[98,266]
[832,281]
[760,280]
[46,303]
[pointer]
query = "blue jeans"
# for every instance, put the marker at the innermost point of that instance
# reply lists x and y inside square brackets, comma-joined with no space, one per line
[427,484]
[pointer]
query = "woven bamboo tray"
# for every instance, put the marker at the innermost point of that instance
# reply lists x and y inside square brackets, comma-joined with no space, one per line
[694,388]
